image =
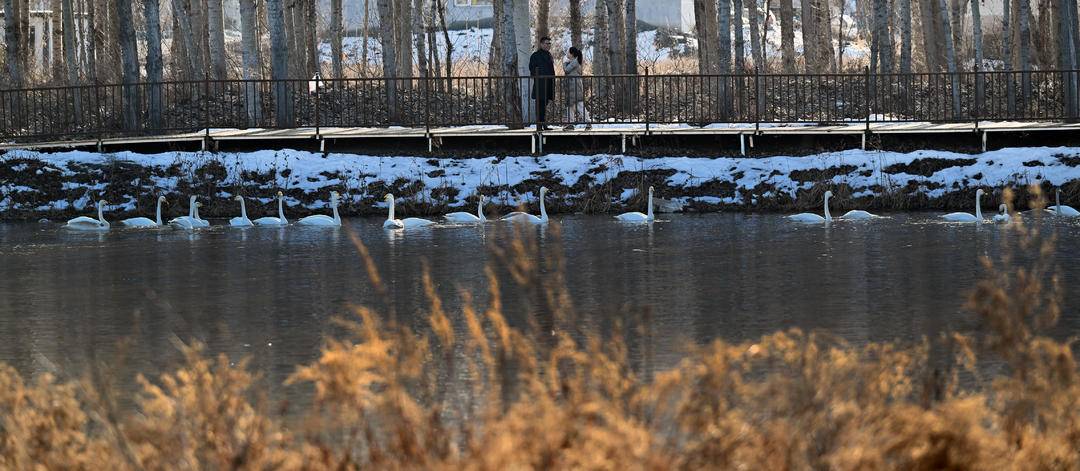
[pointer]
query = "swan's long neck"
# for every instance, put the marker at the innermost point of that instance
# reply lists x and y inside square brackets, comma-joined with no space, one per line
[543,210]
[650,213]
[828,216]
[1057,200]
[101,213]
[391,216]
[158,216]
[337,218]
[281,208]
[196,212]
[192,210]
[978,206]
[243,209]
[480,210]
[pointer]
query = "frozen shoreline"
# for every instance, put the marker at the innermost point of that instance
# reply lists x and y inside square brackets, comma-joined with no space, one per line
[53,185]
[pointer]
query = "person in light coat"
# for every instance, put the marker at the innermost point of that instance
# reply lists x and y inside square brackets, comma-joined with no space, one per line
[574,89]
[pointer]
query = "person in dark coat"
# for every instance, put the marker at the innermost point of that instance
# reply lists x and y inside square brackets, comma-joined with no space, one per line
[541,64]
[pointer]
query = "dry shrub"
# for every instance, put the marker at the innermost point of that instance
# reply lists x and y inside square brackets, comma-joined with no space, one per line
[472,391]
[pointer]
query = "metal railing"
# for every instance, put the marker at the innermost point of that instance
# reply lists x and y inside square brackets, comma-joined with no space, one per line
[119,110]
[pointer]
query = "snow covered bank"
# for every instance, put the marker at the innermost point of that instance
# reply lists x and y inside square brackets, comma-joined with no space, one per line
[56,185]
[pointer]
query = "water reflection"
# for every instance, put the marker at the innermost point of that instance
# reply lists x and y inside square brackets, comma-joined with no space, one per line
[268,292]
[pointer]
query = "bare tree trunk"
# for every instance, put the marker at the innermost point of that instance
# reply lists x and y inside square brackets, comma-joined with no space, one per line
[840,41]
[293,24]
[905,36]
[130,63]
[724,31]
[976,30]
[389,57]
[755,34]
[881,47]
[103,35]
[1046,37]
[71,56]
[403,29]
[310,41]
[279,63]
[931,48]
[956,14]
[631,37]
[419,30]
[365,39]
[249,38]
[543,13]
[705,60]
[950,51]
[509,63]
[601,52]
[12,43]
[495,51]
[1025,49]
[155,67]
[1065,13]
[57,37]
[787,35]
[216,30]
[1007,56]
[740,43]
[809,36]
[616,36]
[449,45]
[337,19]
[575,24]
[183,17]
[823,18]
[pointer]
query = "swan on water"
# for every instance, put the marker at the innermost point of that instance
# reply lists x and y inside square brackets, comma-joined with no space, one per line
[529,218]
[241,220]
[280,219]
[393,223]
[638,217]
[968,217]
[814,218]
[1059,210]
[190,221]
[464,217]
[1003,214]
[146,222]
[322,219]
[84,223]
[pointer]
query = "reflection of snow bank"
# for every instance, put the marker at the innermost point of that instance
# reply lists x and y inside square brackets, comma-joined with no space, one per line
[308,177]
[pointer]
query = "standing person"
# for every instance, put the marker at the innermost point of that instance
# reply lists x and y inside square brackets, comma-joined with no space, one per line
[542,66]
[574,89]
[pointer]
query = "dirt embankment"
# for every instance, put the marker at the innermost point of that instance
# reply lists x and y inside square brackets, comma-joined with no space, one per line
[33,188]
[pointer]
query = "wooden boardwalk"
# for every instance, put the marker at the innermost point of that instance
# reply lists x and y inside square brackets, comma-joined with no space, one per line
[627,133]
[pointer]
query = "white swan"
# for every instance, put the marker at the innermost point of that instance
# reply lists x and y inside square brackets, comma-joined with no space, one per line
[192,220]
[83,223]
[638,217]
[1059,210]
[146,222]
[814,218]
[321,219]
[1003,215]
[393,223]
[967,217]
[464,217]
[529,218]
[272,221]
[242,220]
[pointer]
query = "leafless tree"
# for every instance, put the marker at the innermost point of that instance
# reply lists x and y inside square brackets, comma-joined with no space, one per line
[787,35]
[543,13]
[575,24]
[130,62]
[389,56]
[279,62]
[215,18]
[249,38]
[155,66]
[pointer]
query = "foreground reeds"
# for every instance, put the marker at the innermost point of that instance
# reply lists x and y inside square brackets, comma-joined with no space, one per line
[471,391]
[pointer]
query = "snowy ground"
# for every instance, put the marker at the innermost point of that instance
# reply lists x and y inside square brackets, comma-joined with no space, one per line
[59,184]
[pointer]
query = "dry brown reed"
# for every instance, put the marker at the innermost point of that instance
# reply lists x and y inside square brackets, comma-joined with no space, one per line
[472,391]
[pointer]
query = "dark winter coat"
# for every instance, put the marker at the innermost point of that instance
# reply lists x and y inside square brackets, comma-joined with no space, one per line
[541,64]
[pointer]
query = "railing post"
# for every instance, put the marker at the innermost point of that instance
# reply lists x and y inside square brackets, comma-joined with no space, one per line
[318,80]
[866,105]
[647,128]
[206,106]
[427,105]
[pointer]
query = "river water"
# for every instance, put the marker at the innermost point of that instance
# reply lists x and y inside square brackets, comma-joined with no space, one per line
[122,298]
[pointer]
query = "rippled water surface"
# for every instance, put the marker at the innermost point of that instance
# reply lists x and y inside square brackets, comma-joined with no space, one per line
[123,296]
